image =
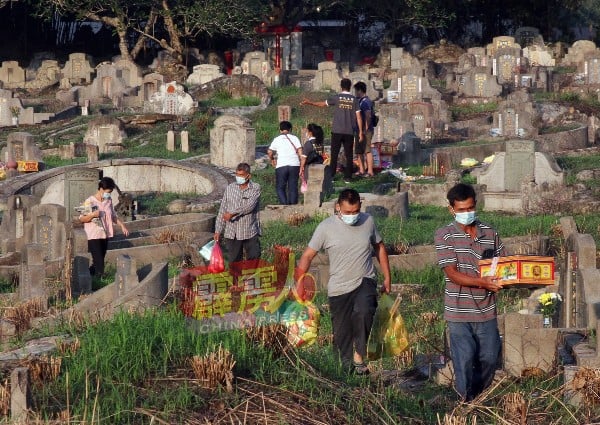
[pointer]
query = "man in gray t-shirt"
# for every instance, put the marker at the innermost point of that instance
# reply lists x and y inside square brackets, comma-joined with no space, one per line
[350,239]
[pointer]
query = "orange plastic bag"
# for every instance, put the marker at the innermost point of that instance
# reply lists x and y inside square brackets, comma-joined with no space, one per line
[216,263]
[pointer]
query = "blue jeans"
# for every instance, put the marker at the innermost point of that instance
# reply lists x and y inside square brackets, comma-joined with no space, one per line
[286,184]
[474,348]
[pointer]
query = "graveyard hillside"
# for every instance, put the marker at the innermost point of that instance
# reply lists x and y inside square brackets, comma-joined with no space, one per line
[173,333]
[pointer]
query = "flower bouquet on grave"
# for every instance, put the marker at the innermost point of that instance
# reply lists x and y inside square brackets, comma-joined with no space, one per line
[548,306]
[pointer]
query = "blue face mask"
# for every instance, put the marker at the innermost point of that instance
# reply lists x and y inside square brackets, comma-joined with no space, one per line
[349,219]
[240,180]
[465,218]
[106,196]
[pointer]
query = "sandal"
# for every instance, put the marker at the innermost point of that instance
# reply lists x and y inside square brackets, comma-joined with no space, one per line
[359,174]
[361,369]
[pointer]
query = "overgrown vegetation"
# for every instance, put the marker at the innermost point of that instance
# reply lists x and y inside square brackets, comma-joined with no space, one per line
[468,111]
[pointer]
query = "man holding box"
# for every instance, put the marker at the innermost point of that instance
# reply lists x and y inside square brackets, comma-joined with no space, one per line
[469,300]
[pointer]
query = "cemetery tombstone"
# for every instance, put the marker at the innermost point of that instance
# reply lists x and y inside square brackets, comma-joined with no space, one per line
[171,99]
[592,68]
[527,36]
[46,226]
[32,279]
[126,277]
[284,113]
[11,74]
[77,69]
[185,141]
[256,63]
[107,133]
[515,116]
[20,147]
[327,76]
[232,140]
[204,73]
[171,141]
[478,82]
[80,183]
[12,226]
[519,162]
[576,53]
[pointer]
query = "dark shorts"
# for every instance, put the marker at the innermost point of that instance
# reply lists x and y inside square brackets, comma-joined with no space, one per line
[363,146]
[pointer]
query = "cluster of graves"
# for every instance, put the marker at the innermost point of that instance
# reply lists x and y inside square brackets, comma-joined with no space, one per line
[414,94]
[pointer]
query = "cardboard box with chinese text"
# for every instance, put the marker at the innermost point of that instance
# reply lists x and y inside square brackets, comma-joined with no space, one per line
[520,270]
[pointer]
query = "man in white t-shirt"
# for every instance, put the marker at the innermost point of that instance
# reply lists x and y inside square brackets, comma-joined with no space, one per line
[287,165]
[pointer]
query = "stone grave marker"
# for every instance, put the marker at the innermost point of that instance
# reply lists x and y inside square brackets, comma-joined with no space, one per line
[171,140]
[77,69]
[107,133]
[32,280]
[170,99]
[232,140]
[478,82]
[46,225]
[576,53]
[21,400]
[204,73]
[520,157]
[327,76]
[592,68]
[12,226]
[421,115]
[284,113]
[256,63]
[504,65]
[539,56]
[499,43]
[319,185]
[91,152]
[185,141]
[80,183]
[11,74]
[126,277]
[526,36]
[150,85]
[21,147]
[515,116]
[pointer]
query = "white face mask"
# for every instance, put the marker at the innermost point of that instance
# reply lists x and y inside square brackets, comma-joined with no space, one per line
[349,219]
[465,218]
[240,180]
[106,196]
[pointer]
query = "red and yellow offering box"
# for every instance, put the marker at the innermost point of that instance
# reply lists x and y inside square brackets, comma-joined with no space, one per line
[521,270]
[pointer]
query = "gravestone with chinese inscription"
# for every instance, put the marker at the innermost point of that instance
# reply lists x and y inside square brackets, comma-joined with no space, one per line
[171,99]
[47,225]
[107,133]
[151,84]
[479,82]
[505,64]
[32,278]
[12,226]
[515,116]
[256,63]
[576,53]
[518,165]
[327,76]
[116,81]
[500,43]
[527,36]
[355,77]
[80,183]
[232,140]
[77,69]
[284,113]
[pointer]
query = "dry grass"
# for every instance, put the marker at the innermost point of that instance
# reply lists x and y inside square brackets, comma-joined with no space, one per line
[214,369]
[44,368]
[296,218]
[586,384]
[515,408]
[169,236]
[273,337]
[22,314]
[5,398]
[68,347]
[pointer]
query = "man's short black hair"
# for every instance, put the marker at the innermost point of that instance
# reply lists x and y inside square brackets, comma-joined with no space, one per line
[346,84]
[285,126]
[460,192]
[242,166]
[349,195]
[361,87]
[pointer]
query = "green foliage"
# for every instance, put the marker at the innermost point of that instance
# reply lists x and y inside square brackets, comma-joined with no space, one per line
[155,203]
[464,112]
[55,161]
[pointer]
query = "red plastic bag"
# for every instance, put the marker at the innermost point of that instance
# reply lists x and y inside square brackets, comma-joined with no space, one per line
[216,263]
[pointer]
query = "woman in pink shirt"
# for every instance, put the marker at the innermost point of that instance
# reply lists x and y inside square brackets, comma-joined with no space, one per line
[98,223]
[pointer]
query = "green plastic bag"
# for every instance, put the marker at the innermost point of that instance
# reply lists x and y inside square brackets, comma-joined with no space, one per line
[389,336]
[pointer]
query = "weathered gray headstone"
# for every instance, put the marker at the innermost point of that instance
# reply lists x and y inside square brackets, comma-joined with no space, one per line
[80,183]
[12,227]
[185,141]
[20,395]
[126,277]
[170,140]
[232,140]
[284,113]
[32,279]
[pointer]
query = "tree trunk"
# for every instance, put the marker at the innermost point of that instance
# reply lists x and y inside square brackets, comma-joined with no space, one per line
[139,44]
[176,49]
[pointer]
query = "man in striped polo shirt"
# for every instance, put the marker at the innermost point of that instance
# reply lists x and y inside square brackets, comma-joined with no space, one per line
[469,300]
